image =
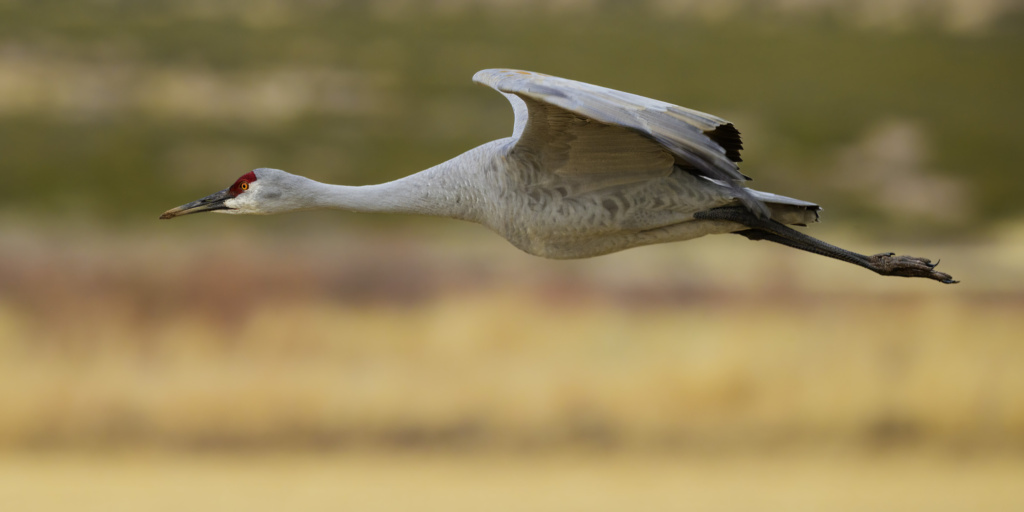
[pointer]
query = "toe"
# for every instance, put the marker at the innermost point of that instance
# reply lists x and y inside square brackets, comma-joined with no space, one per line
[908,266]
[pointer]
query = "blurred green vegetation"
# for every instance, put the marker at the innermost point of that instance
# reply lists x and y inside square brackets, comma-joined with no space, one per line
[119,110]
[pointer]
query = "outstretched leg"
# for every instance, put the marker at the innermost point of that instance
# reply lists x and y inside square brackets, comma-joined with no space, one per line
[886,264]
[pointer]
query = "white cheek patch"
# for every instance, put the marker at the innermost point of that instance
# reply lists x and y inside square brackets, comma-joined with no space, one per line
[244,202]
[232,205]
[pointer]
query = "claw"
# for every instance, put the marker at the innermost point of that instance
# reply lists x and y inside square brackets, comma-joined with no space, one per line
[887,264]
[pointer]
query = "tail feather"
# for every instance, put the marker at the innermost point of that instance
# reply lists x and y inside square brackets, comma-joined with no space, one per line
[788,210]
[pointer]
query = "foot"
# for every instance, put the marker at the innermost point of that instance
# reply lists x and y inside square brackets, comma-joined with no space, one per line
[888,264]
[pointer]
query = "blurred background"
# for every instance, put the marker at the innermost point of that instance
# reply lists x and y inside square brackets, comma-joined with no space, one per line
[319,361]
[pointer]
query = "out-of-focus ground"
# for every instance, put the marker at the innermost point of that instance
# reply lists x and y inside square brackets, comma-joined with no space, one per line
[544,483]
[325,361]
[439,369]
[461,342]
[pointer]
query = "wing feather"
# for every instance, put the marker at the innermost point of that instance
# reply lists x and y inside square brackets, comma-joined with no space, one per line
[586,154]
[690,135]
[703,143]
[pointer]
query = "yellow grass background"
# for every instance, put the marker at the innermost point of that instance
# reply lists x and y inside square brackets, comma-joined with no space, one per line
[737,345]
[542,483]
[425,367]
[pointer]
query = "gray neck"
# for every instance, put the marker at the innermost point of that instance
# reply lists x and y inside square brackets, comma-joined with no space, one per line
[440,191]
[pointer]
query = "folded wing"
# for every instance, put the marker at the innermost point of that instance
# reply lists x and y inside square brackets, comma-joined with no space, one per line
[610,136]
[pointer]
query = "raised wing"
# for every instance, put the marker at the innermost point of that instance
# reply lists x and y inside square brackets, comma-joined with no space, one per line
[545,107]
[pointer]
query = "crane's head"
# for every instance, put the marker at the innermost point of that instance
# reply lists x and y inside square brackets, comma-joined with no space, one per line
[260,192]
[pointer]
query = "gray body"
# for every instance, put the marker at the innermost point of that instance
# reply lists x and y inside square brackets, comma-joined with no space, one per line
[539,212]
[567,185]
[588,171]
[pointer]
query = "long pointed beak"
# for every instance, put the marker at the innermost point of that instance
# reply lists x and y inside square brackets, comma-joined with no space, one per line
[209,203]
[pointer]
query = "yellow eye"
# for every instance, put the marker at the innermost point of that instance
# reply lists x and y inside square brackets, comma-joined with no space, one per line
[243,186]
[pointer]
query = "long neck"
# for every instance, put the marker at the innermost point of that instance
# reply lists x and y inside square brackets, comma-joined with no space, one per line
[440,191]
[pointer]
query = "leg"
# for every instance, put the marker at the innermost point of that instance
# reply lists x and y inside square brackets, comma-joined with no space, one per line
[886,264]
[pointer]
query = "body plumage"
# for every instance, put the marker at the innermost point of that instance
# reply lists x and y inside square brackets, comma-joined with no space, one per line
[588,171]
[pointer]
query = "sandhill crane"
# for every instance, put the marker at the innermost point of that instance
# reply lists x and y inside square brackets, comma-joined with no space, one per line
[587,171]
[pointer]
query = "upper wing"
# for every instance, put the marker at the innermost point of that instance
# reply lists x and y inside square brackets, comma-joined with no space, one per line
[553,112]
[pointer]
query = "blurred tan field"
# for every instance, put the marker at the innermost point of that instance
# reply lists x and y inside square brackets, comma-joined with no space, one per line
[542,483]
[443,370]
[358,341]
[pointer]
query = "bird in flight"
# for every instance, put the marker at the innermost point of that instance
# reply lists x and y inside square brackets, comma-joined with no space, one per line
[587,171]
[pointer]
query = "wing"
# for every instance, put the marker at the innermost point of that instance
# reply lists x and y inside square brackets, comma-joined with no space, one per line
[626,136]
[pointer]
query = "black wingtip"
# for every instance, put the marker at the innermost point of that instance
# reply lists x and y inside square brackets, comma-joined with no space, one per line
[727,136]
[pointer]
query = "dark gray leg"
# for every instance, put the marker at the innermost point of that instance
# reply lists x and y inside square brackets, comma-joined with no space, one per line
[886,264]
